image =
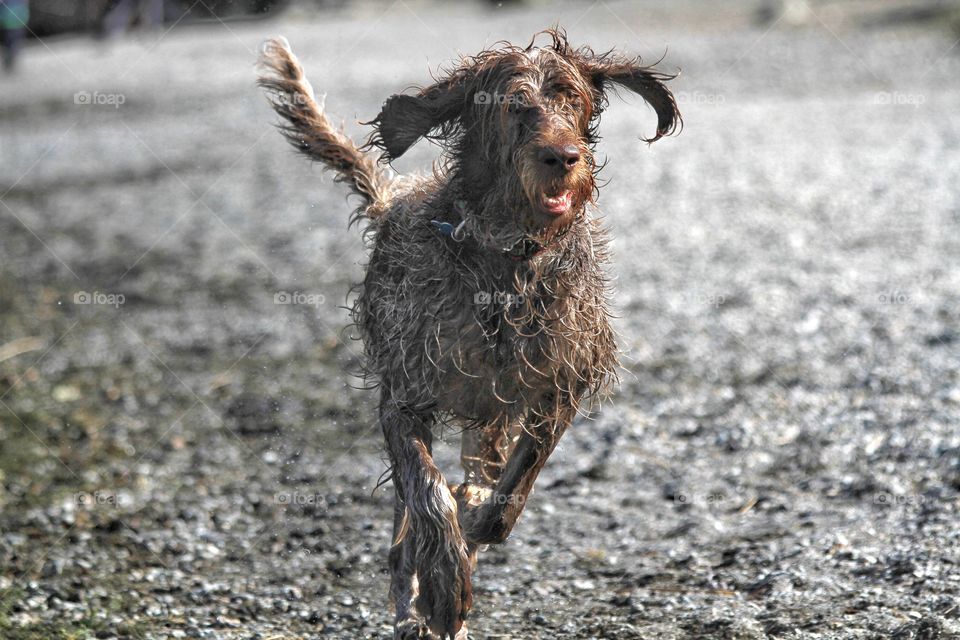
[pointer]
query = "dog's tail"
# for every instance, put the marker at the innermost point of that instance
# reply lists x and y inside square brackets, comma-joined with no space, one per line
[308,129]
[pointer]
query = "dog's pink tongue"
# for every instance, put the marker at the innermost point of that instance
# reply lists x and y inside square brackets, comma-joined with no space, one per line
[558,205]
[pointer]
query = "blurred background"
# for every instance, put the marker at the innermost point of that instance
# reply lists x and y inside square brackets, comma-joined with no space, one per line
[184,452]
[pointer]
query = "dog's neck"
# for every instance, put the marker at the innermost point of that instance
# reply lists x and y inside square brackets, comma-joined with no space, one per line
[488,218]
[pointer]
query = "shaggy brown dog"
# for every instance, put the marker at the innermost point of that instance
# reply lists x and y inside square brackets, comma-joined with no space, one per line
[484,303]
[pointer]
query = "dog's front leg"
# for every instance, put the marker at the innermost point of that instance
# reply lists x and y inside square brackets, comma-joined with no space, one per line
[403,574]
[430,537]
[492,520]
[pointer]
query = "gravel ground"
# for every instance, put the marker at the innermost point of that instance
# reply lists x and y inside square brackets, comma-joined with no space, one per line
[183,457]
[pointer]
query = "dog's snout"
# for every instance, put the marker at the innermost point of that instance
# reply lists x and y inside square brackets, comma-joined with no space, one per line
[563,156]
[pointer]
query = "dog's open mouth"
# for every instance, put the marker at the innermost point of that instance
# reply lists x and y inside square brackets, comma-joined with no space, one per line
[557,205]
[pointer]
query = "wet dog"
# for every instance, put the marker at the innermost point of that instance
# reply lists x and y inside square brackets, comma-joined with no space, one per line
[484,301]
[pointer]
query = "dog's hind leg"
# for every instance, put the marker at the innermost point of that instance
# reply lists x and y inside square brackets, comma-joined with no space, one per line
[430,539]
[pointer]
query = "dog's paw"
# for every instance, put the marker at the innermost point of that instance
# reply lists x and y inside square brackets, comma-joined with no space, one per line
[469,496]
[471,499]
[474,512]
[445,593]
[411,629]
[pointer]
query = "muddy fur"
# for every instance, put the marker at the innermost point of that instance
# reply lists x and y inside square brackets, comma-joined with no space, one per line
[496,322]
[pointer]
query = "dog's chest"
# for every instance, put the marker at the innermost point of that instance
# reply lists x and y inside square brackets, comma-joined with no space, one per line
[510,351]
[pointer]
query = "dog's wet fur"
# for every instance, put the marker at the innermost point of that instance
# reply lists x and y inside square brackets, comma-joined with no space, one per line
[485,300]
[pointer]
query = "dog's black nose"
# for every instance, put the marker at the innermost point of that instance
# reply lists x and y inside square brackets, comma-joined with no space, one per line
[564,156]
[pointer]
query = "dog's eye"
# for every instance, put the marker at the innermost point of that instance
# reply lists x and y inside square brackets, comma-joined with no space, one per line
[567,96]
[519,104]
[525,107]
[525,114]
[528,119]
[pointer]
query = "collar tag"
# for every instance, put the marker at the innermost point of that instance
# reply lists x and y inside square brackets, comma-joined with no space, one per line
[445,228]
[448,230]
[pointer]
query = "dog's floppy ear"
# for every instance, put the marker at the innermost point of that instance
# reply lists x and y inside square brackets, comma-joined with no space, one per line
[648,83]
[404,119]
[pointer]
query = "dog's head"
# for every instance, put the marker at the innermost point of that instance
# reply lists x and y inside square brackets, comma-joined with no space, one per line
[519,125]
